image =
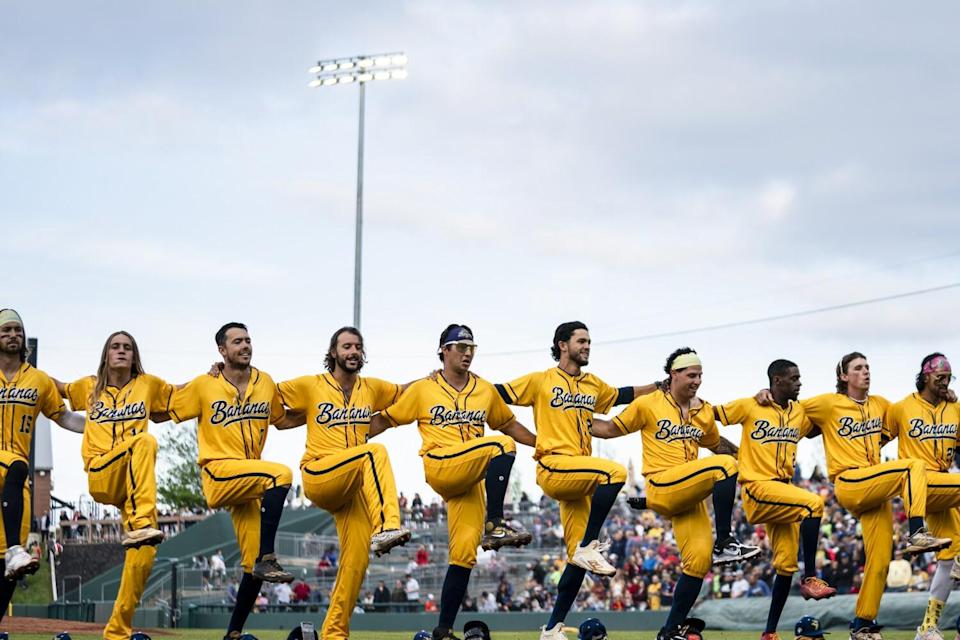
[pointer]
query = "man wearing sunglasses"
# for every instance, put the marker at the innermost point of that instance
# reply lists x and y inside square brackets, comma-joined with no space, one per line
[461,464]
[925,424]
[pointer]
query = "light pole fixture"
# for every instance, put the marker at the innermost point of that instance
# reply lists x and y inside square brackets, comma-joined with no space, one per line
[359,70]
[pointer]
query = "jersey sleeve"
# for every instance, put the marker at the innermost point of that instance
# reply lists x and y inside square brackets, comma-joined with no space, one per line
[78,393]
[407,408]
[499,414]
[160,395]
[817,408]
[523,391]
[711,435]
[51,404]
[630,419]
[185,402]
[732,412]
[277,410]
[294,393]
[891,421]
[806,425]
[883,402]
[383,393]
[606,396]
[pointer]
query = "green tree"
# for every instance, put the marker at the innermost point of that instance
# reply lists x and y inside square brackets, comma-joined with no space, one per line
[178,475]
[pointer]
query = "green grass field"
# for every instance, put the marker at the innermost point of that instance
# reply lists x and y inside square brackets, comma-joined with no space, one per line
[273,634]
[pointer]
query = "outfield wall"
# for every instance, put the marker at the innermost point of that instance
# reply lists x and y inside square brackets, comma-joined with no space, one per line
[897,611]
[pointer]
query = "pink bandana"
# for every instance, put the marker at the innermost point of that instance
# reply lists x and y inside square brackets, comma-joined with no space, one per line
[940,364]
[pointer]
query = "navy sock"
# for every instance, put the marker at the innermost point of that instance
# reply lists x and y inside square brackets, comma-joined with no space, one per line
[567,590]
[809,537]
[271,508]
[724,494]
[603,500]
[7,587]
[684,597]
[12,498]
[451,597]
[859,623]
[781,589]
[916,522]
[498,475]
[246,595]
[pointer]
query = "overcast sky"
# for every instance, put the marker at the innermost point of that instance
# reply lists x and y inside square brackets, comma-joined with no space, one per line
[644,167]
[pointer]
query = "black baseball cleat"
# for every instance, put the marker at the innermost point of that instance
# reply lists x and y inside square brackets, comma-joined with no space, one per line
[732,550]
[269,570]
[674,633]
[443,633]
[504,533]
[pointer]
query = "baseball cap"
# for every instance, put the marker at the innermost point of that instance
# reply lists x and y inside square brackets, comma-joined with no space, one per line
[423,634]
[303,631]
[592,629]
[456,334]
[139,635]
[809,627]
[476,630]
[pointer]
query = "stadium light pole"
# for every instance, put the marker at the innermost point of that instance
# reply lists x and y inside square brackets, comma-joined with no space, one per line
[359,70]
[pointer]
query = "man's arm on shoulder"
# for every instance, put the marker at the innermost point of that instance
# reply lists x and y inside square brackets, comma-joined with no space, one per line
[604,429]
[520,433]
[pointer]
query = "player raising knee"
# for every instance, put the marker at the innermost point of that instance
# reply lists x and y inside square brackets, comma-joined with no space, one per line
[342,472]
[925,424]
[851,421]
[462,465]
[564,399]
[768,451]
[675,424]
[25,393]
[233,412]
[120,456]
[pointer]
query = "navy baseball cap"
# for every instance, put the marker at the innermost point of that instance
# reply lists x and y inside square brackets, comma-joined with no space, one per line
[423,634]
[592,629]
[456,334]
[476,630]
[809,627]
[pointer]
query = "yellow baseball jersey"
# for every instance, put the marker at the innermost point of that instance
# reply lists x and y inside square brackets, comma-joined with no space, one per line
[768,445]
[333,422]
[563,408]
[668,439]
[926,432]
[118,413]
[851,430]
[446,416]
[231,426]
[22,398]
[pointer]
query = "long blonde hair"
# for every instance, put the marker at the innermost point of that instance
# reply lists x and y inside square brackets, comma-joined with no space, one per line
[136,367]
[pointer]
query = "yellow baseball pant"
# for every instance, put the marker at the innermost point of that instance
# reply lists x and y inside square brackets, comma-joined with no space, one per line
[356,486]
[137,565]
[943,517]
[780,507]
[571,481]
[238,485]
[125,478]
[679,494]
[457,473]
[6,459]
[867,493]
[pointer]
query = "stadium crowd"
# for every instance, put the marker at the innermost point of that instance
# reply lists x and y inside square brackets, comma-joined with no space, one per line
[643,549]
